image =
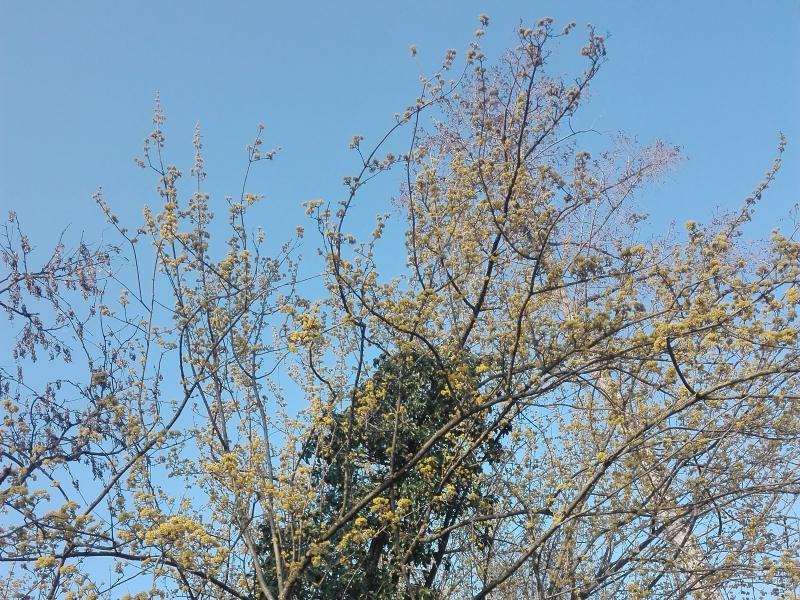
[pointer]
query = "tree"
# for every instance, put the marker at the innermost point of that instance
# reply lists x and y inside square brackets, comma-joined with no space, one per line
[546,403]
[360,448]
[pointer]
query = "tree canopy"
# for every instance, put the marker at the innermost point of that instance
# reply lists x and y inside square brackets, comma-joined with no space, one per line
[549,401]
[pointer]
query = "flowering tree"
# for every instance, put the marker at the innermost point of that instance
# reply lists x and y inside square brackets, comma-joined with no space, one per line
[545,404]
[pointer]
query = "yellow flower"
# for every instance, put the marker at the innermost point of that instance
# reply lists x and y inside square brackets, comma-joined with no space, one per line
[44,562]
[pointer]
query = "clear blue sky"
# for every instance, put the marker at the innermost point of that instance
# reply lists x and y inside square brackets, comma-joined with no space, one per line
[78,78]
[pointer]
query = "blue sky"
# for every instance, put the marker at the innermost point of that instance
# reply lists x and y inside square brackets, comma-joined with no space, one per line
[77,81]
[720,79]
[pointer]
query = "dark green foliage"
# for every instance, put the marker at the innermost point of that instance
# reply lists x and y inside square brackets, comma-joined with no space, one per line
[411,399]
